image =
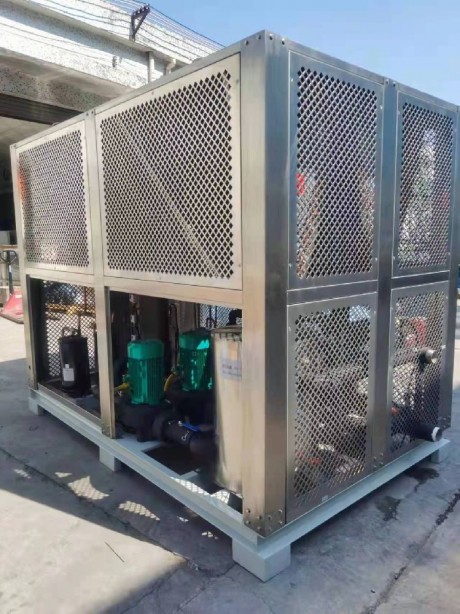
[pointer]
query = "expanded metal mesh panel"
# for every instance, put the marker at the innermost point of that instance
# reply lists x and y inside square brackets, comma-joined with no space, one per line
[331,365]
[170,165]
[337,140]
[66,306]
[53,193]
[425,188]
[419,324]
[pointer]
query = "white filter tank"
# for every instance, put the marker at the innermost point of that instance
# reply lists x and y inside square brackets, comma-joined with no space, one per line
[229,414]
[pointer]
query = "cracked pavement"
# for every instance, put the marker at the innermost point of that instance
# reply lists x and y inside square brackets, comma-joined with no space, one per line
[78,538]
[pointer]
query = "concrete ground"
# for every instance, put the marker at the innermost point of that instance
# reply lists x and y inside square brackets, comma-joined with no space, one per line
[75,537]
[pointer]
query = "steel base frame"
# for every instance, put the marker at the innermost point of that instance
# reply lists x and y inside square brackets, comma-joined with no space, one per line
[264,557]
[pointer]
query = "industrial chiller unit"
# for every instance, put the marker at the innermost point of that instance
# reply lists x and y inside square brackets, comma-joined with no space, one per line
[250,264]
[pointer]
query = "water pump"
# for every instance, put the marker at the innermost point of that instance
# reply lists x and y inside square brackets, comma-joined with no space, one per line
[195,365]
[145,371]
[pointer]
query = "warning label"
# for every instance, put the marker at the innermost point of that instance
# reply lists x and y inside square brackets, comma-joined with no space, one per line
[231,369]
[68,374]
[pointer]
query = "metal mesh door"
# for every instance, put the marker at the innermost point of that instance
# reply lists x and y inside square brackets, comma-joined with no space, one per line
[419,322]
[330,366]
[53,193]
[425,187]
[64,305]
[170,169]
[338,168]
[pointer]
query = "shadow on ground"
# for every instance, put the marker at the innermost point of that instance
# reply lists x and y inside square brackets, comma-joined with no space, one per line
[57,453]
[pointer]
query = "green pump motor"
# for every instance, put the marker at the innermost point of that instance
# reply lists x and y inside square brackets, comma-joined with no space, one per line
[146,370]
[195,364]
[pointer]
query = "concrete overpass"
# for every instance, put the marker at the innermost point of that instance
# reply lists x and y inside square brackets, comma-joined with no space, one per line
[76,54]
[62,57]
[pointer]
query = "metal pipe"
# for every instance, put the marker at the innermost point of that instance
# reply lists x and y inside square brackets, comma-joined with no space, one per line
[169,66]
[427,432]
[150,66]
[168,427]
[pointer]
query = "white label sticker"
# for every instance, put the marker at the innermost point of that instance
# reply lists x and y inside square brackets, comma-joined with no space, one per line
[231,369]
[68,374]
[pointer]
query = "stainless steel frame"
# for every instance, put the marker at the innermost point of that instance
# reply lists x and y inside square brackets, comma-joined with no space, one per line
[441,109]
[151,174]
[268,289]
[412,292]
[76,125]
[321,493]
[370,83]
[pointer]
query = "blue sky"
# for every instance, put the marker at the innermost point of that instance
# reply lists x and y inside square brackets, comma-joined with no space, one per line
[414,42]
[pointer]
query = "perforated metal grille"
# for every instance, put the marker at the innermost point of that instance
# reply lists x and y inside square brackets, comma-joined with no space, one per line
[425,188]
[167,173]
[66,305]
[420,324]
[336,175]
[331,387]
[53,198]
[214,316]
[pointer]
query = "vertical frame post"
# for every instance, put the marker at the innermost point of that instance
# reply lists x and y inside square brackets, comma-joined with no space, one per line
[25,280]
[101,293]
[265,198]
[446,400]
[383,382]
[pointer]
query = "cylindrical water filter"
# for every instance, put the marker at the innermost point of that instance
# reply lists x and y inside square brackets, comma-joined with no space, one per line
[227,346]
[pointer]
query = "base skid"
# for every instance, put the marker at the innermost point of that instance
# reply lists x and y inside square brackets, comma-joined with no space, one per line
[35,408]
[264,561]
[441,455]
[109,460]
[263,557]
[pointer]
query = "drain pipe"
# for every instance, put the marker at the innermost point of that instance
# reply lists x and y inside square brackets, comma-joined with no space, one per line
[428,432]
[150,67]
[169,66]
